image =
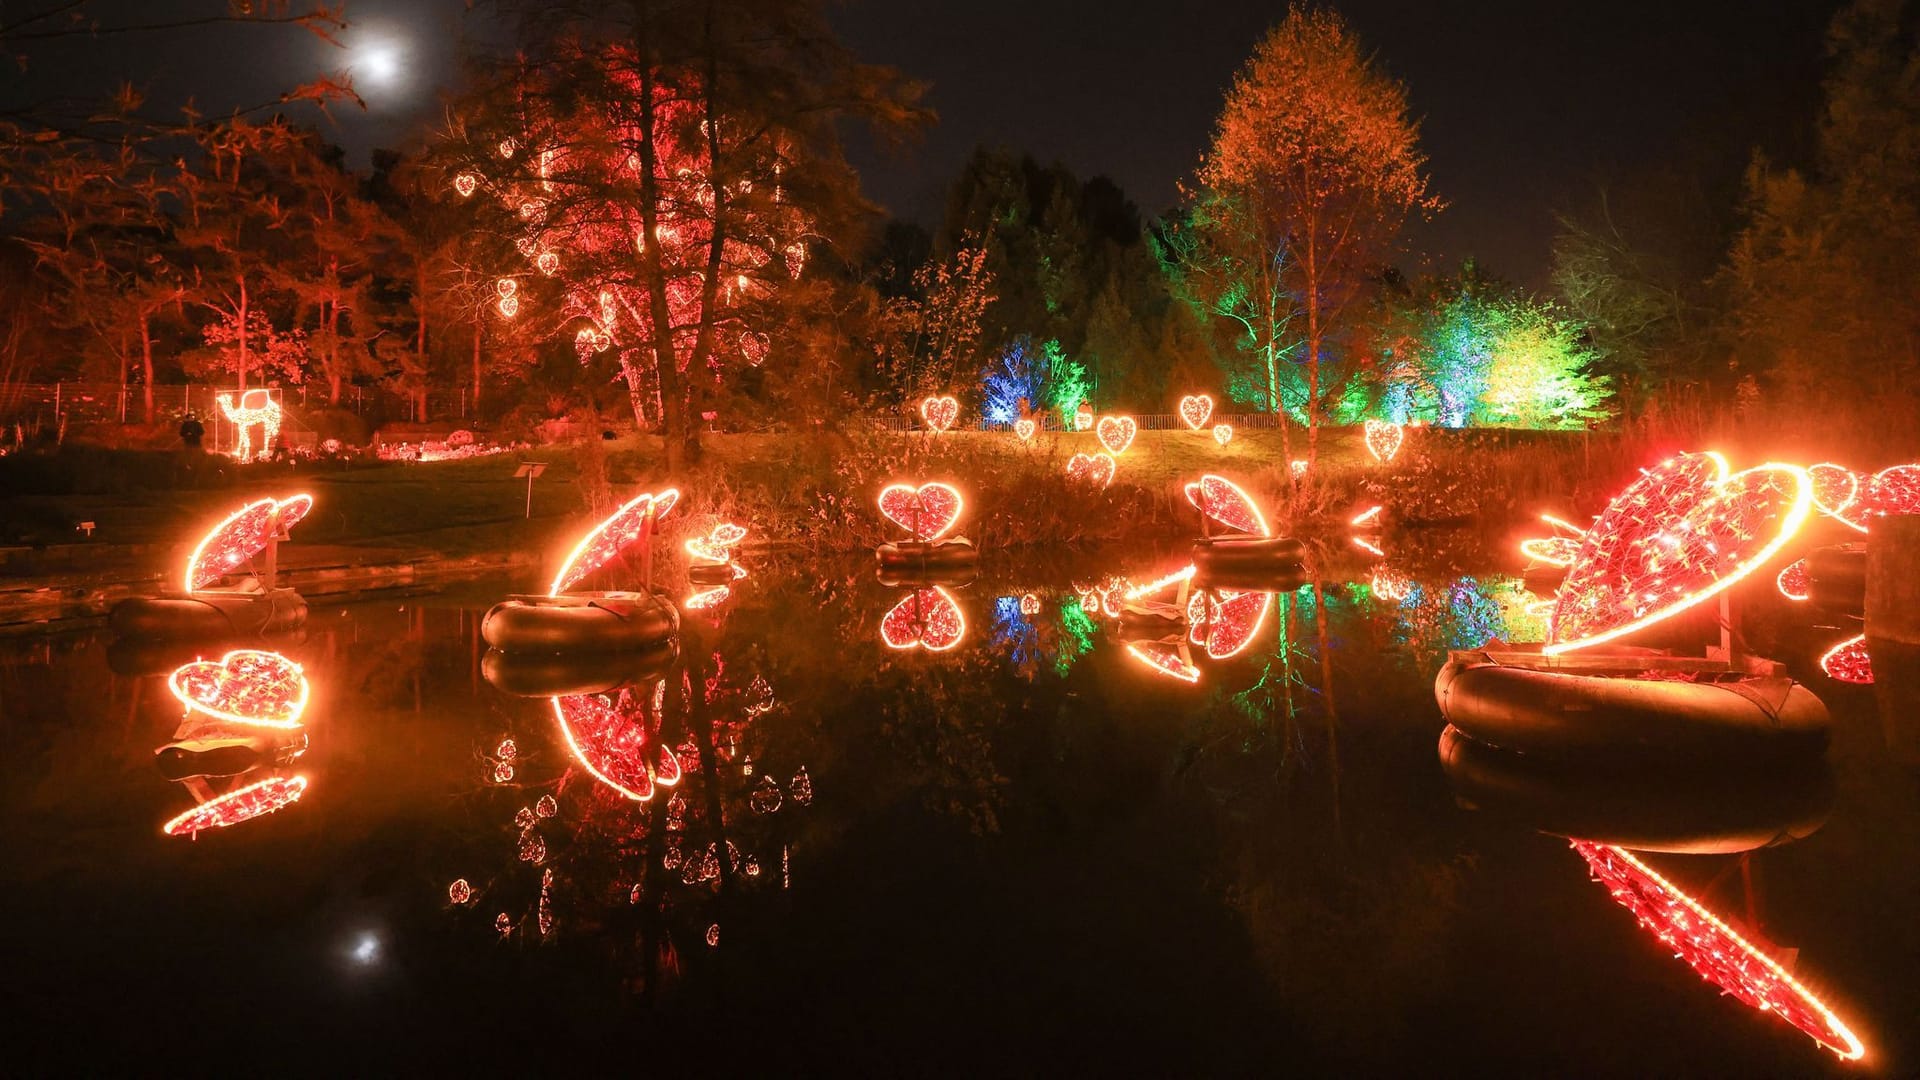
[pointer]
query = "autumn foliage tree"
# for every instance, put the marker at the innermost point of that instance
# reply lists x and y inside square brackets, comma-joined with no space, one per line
[668,164]
[1313,170]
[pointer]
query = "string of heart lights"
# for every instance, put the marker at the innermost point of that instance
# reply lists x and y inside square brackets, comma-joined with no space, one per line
[1848,661]
[1196,410]
[1384,439]
[612,738]
[249,687]
[256,408]
[927,512]
[1715,950]
[238,805]
[633,521]
[1685,531]
[927,619]
[242,535]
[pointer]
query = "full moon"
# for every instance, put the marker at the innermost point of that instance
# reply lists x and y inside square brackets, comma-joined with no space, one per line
[379,62]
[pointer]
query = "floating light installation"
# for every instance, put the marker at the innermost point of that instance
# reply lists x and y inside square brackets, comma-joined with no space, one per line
[1684,532]
[1116,433]
[241,536]
[238,805]
[1894,490]
[633,520]
[1715,950]
[940,412]
[1384,439]
[927,619]
[1196,410]
[1169,660]
[716,548]
[251,687]
[926,512]
[1223,500]
[609,735]
[1368,516]
[707,599]
[1558,549]
[1185,573]
[1092,468]
[1792,581]
[255,407]
[1228,623]
[1849,662]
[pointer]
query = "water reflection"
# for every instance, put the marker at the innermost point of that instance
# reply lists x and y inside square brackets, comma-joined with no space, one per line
[241,727]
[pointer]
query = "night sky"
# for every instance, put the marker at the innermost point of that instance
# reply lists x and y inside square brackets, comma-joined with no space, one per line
[1525,106]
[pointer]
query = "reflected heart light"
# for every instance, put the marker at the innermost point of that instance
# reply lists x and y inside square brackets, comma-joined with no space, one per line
[927,619]
[610,737]
[1715,950]
[1165,659]
[1684,532]
[1226,624]
[1848,662]
[606,540]
[241,804]
[1185,573]
[246,686]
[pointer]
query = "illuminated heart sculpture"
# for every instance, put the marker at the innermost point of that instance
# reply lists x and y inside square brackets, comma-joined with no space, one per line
[241,804]
[630,522]
[1849,662]
[1025,428]
[1223,433]
[1384,439]
[1558,549]
[717,546]
[1681,534]
[1092,468]
[940,412]
[1894,490]
[1168,660]
[548,262]
[1082,417]
[1792,581]
[1714,949]
[1836,493]
[1196,410]
[926,512]
[611,738]
[926,619]
[465,184]
[1222,500]
[241,536]
[1226,624]
[1116,433]
[246,686]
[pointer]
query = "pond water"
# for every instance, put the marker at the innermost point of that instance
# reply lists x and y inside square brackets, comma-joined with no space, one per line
[1031,851]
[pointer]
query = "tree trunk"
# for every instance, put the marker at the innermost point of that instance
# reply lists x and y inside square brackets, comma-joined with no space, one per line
[1313,355]
[477,329]
[673,414]
[146,367]
[243,332]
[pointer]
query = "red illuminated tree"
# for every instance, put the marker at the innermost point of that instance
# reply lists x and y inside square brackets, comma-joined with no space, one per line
[669,165]
[1313,169]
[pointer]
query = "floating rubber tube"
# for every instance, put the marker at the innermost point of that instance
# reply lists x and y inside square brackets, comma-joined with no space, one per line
[1709,809]
[208,613]
[538,675]
[712,573]
[1837,578]
[585,622]
[1243,554]
[1580,713]
[922,556]
[1284,577]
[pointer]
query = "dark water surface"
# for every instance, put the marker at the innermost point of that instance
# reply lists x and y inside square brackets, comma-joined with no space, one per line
[1028,853]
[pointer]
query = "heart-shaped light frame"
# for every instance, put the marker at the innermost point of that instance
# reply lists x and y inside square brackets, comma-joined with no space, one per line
[1223,500]
[1025,427]
[250,687]
[1092,468]
[927,512]
[940,412]
[1196,410]
[242,536]
[927,619]
[604,541]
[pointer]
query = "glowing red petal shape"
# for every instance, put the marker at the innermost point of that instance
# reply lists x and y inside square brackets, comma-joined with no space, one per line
[243,804]
[608,736]
[1894,490]
[1714,949]
[1165,659]
[927,511]
[1682,533]
[607,539]
[1849,662]
[1231,624]
[1223,501]
[242,536]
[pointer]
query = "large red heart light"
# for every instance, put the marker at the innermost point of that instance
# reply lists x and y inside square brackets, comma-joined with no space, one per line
[926,512]
[612,738]
[1836,493]
[633,520]
[1226,624]
[940,412]
[1714,949]
[1222,500]
[246,686]
[1384,439]
[241,804]
[927,619]
[1116,433]
[1092,468]
[242,536]
[1196,410]
[1682,533]
[1025,428]
[1894,490]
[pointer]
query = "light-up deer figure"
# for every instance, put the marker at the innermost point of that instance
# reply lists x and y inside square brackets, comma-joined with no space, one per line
[256,407]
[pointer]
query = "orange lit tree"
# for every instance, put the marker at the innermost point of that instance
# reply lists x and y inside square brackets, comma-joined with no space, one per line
[668,166]
[1313,170]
